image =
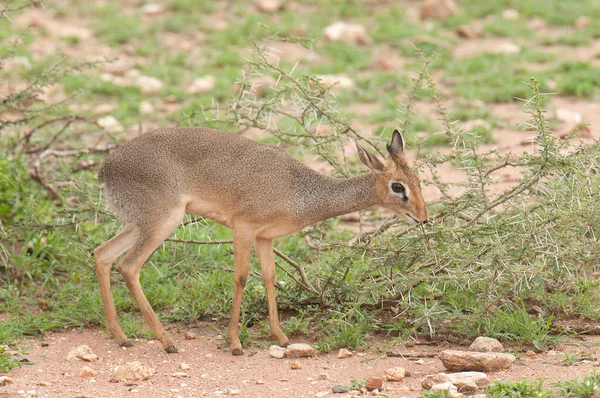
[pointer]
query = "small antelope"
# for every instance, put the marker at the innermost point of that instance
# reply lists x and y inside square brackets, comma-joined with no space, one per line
[258,190]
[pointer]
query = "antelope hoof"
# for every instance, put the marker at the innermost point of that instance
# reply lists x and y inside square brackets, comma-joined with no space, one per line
[126,344]
[171,349]
[237,352]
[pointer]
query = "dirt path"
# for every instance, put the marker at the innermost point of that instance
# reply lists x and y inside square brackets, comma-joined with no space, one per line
[215,372]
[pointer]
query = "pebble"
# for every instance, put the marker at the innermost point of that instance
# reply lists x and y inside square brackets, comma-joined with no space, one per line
[231,391]
[184,366]
[344,353]
[276,352]
[86,371]
[260,382]
[486,344]
[111,125]
[323,376]
[147,108]
[339,389]
[395,374]
[349,33]
[189,335]
[269,5]
[179,374]
[295,365]
[153,8]
[201,85]
[511,14]
[84,352]
[149,84]
[299,351]
[133,371]
[4,380]
[374,383]
[530,353]
[507,48]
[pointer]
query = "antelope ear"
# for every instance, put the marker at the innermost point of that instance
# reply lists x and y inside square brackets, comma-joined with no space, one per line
[396,146]
[369,160]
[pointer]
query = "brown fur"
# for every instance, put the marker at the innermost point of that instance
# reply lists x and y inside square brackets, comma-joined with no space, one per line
[258,190]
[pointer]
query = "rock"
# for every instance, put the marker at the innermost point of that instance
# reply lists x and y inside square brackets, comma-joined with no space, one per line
[395,374]
[466,32]
[567,116]
[339,80]
[83,352]
[581,22]
[466,387]
[295,365]
[190,336]
[339,389]
[354,393]
[507,48]
[44,383]
[299,351]
[447,386]
[511,14]
[260,382]
[321,394]
[276,352]
[348,33]
[184,366]
[374,383]
[86,371]
[530,353]
[536,23]
[110,125]
[149,84]
[269,5]
[231,391]
[179,374]
[147,108]
[200,85]
[105,108]
[486,344]
[153,8]
[477,361]
[344,353]
[133,371]
[477,378]
[323,376]
[438,9]
[4,380]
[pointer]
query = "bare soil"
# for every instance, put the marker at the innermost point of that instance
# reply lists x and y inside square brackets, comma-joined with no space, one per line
[213,371]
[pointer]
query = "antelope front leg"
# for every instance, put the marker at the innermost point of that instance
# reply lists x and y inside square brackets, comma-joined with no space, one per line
[264,248]
[242,246]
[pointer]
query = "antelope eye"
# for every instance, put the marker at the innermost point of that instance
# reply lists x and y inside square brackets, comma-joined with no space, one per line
[398,187]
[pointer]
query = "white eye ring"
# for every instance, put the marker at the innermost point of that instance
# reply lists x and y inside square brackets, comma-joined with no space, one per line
[400,189]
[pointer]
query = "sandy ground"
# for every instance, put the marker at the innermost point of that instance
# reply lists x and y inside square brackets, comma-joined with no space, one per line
[214,372]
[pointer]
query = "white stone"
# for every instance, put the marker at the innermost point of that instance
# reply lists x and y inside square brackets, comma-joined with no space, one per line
[153,8]
[486,344]
[299,351]
[200,85]
[133,371]
[110,124]
[269,5]
[83,352]
[276,352]
[146,108]
[149,84]
[567,116]
[344,353]
[507,48]
[348,33]
[395,374]
[511,14]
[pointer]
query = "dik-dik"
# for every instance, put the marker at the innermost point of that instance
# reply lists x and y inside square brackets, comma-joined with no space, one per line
[258,190]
